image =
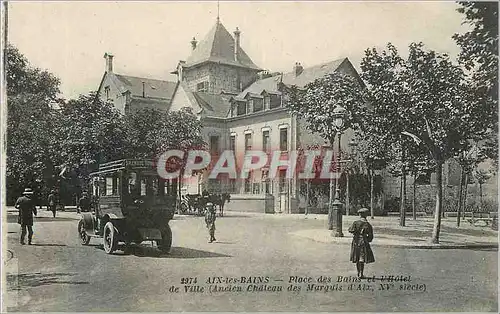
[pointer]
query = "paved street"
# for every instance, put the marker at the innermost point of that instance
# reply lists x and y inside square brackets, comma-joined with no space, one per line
[59,274]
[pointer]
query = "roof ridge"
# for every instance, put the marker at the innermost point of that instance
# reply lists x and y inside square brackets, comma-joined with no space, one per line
[142,77]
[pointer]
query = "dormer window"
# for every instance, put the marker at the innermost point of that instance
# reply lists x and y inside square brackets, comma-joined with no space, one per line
[275,101]
[202,87]
[250,106]
[241,108]
[267,102]
[257,105]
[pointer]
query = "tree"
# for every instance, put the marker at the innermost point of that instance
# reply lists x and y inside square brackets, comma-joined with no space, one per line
[429,100]
[372,148]
[151,132]
[89,132]
[481,176]
[383,73]
[479,55]
[317,101]
[31,94]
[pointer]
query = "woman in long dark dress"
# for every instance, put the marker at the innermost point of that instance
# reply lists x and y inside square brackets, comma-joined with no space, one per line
[361,252]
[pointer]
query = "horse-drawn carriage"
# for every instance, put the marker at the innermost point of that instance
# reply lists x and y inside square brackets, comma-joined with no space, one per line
[195,204]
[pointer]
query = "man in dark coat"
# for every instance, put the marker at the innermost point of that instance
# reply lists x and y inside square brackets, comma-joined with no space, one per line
[84,203]
[361,252]
[51,202]
[27,208]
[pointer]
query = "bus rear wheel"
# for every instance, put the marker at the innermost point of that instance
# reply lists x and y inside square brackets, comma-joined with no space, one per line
[165,244]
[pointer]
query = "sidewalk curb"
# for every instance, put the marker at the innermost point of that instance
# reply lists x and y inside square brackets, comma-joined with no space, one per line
[442,246]
[427,246]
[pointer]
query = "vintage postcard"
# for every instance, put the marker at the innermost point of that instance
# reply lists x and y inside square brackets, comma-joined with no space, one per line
[231,156]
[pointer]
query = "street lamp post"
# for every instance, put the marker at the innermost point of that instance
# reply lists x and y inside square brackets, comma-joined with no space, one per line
[336,206]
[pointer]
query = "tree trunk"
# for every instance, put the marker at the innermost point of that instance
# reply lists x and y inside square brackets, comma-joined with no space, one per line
[347,195]
[460,191]
[371,193]
[382,193]
[439,202]
[480,197]
[402,209]
[466,188]
[413,201]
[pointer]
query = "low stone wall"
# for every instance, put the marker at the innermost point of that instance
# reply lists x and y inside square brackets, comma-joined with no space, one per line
[258,203]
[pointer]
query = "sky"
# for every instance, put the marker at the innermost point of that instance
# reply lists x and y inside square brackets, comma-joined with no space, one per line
[149,38]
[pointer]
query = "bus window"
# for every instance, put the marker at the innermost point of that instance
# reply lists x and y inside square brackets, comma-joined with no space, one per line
[161,187]
[116,185]
[132,183]
[144,183]
[109,186]
[154,186]
[102,186]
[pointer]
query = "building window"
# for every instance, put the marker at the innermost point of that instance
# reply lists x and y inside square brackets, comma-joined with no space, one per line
[106,91]
[266,144]
[232,186]
[248,141]
[241,108]
[257,105]
[202,87]
[275,101]
[248,183]
[256,188]
[250,106]
[214,145]
[266,182]
[232,143]
[267,102]
[284,139]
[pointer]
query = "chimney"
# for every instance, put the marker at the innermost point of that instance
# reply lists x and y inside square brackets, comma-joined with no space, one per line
[298,68]
[193,43]
[109,62]
[236,43]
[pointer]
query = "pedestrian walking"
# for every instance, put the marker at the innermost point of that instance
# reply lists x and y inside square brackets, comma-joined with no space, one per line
[51,201]
[361,252]
[26,206]
[83,203]
[210,220]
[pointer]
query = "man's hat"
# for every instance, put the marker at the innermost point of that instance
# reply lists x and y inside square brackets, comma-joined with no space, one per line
[363,210]
[28,191]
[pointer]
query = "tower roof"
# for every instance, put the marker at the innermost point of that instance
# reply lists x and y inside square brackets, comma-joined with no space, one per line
[218,46]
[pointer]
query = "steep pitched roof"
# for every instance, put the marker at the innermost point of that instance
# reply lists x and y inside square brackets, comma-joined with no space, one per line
[152,88]
[214,105]
[139,103]
[218,46]
[308,75]
[269,84]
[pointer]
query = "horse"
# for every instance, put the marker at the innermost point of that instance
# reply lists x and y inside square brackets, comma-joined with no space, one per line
[220,200]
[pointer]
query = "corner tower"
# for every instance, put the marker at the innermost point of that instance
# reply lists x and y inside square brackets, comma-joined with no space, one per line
[218,64]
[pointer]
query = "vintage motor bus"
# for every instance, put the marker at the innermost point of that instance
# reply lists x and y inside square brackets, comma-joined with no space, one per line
[131,204]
